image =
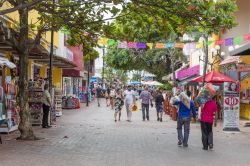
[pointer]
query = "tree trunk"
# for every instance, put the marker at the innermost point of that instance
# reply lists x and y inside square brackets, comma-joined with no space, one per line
[25,126]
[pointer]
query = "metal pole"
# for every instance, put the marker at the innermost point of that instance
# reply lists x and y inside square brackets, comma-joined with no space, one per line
[87,103]
[51,53]
[103,53]
[206,59]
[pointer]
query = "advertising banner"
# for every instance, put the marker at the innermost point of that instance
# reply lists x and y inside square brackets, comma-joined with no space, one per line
[231,106]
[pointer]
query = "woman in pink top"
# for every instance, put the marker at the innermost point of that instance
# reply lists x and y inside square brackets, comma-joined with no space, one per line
[207,118]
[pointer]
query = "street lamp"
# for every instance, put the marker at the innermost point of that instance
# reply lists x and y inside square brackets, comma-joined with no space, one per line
[215,53]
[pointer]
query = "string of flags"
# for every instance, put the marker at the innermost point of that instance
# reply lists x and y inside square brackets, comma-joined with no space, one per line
[190,45]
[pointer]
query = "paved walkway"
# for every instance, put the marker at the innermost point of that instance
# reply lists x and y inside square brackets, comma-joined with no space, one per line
[90,137]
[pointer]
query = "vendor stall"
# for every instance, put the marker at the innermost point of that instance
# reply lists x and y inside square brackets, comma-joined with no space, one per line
[9,113]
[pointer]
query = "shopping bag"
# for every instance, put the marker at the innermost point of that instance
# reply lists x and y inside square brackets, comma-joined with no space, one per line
[134,108]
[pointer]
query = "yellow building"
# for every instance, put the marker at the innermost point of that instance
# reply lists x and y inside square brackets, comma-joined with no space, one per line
[36,66]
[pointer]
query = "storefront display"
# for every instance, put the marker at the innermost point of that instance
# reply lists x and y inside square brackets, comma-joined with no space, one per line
[231,107]
[70,102]
[35,102]
[58,102]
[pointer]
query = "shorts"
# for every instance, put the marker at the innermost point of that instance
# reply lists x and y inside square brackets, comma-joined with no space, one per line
[159,108]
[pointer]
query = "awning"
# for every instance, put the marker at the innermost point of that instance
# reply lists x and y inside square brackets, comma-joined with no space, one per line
[72,73]
[187,81]
[242,50]
[231,59]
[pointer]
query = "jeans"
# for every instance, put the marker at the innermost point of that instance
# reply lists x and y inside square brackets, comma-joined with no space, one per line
[46,109]
[207,134]
[129,110]
[185,121]
[145,107]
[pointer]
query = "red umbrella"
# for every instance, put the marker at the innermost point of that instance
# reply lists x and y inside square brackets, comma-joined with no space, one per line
[214,77]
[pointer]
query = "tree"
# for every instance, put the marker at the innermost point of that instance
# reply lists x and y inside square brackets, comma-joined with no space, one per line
[156,21]
[76,16]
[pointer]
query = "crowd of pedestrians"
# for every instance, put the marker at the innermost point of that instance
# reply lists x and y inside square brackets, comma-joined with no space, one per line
[117,98]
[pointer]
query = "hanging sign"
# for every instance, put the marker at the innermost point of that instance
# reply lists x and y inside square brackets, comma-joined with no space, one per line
[231,107]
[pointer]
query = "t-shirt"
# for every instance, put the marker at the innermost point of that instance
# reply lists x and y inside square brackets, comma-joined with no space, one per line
[98,92]
[46,98]
[145,97]
[207,112]
[159,100]
[129,96]
[112,93]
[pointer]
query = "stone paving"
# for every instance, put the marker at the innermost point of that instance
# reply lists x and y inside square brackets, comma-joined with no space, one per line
[90,137]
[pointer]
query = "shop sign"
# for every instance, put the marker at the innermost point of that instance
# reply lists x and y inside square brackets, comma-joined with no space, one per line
[188,72]
[243,67]
[69,54]
[244,75]
[231,107]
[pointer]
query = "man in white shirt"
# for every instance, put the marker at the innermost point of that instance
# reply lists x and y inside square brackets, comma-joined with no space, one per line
[129,100]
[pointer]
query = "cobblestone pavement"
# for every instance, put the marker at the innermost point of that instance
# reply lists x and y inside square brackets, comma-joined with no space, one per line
[90,137]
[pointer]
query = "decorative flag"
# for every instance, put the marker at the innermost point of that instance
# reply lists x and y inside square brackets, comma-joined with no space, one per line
[103,41]
[141,45]
[193,45]
[111,42]
[160,45]
[209,42]
[229,41]
[123,44]
[179,45]
[220,42]
[150,45]
[131,44]
[199,45]
[238,40]
[169,45]
[247,37]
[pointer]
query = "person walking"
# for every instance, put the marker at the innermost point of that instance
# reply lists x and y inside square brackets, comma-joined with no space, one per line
[46,106]
[207,118]
[112,97]
[107,96]
[186,106]
[98,94]
[118,104]
[159,99]
[129,100]
[146,99]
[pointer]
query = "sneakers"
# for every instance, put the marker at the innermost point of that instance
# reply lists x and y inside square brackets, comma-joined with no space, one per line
[185,145]
[211,146]
[179,143]
[158,119]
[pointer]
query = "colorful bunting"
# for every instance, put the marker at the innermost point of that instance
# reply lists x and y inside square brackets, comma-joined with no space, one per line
[199,45]
[193,45]
[160,45]
[179,45]
[238,40]
[247,37]
[150,45]
[229,41]
[220,42]
[169,45]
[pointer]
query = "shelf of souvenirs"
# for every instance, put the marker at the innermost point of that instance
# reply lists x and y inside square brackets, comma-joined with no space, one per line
[245,101]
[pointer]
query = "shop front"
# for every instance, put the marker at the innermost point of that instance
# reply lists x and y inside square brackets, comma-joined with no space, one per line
[238,68]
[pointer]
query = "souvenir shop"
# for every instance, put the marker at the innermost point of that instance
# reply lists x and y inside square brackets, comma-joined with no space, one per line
[9,112]
[73,88]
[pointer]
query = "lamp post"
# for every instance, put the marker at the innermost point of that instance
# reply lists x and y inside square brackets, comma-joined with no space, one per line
[215,54]
[103,63]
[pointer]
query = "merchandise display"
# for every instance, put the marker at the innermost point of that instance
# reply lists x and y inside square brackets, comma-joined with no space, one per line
[70,102]
[8,104]
[58,102]
[206,93]
[35,102]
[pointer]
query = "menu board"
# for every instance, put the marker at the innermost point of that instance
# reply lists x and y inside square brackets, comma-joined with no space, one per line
[231,106]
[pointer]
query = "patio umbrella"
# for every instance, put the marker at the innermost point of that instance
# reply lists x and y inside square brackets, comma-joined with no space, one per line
[214,77]
[135,83]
